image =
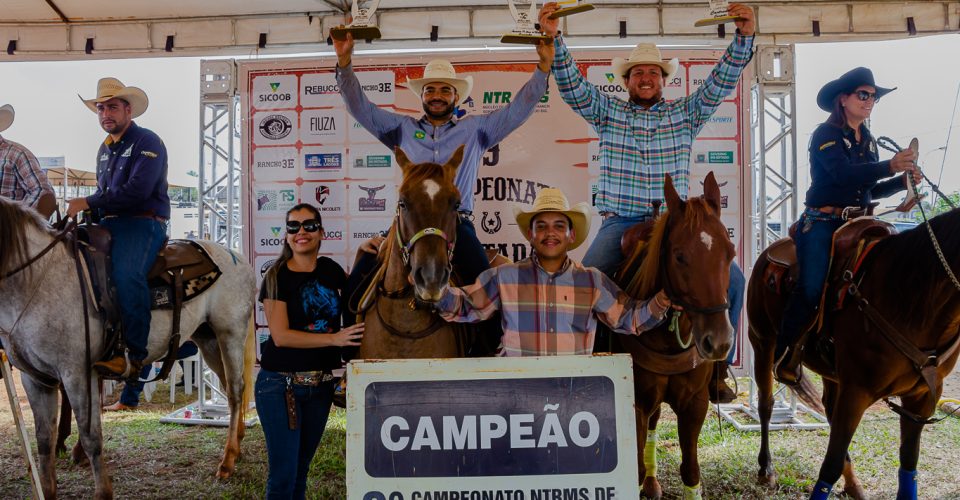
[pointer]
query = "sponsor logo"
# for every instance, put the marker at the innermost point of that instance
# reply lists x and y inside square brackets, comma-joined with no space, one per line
[323,161]
[383,87]
[419,135]
[275,127]
[321,89]
[282,163]
[497,97]
[611,88]
[365,235]
[491,223]
[378,161]
[276,241]
[321,194]
[720,157]
[507,189]
[323,124]
[371,203]
[611,77]
[266,267]
[698,82]
[333,236]
[275,200]
[674,82]
[274,96]
[720,119]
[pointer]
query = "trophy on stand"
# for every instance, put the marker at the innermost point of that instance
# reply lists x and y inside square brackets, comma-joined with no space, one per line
[569,7]
[719,14]
[525,31]
[361,27]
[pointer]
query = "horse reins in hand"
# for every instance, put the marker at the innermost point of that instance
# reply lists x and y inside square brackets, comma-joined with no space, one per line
[895,148]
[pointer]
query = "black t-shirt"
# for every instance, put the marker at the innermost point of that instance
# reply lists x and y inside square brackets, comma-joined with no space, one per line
[313,305]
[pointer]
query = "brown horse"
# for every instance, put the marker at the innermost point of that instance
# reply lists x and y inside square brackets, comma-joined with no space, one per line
[416,264]
[688,254]
[869,367]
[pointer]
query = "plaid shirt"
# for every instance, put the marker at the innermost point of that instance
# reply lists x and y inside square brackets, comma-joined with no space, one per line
[547,314]
[639,146]
[20,176]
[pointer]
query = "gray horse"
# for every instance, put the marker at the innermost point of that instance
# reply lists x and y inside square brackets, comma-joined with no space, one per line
[42,327]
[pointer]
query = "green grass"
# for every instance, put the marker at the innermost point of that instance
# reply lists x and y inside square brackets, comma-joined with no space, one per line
[152,460]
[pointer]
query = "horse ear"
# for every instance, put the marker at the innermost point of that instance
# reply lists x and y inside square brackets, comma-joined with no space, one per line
[674,203]
[711,192]
[455,159]
[402,159]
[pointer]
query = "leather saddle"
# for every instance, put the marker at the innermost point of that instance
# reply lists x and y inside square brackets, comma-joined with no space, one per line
[182,271]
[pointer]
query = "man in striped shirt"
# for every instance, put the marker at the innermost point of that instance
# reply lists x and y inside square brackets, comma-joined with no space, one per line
[21,178]
[549,303]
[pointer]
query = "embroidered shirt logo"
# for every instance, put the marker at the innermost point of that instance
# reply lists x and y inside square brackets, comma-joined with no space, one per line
[149,154]
[127,153]
[420,134]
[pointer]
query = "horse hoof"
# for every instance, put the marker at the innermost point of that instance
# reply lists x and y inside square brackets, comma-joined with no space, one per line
[767,479]
[854,491]
[651,488]
[77,456]
[224,472]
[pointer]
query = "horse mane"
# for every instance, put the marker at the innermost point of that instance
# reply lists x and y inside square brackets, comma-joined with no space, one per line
[910,259]
[646,257]
[14,221]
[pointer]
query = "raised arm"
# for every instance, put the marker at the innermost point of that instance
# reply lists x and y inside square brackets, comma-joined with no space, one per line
[473,303]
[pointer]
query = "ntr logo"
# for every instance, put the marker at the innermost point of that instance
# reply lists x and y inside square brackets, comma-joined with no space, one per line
[322,193]
[491,224]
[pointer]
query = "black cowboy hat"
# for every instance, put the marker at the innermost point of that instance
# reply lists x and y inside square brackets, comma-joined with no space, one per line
[847,84]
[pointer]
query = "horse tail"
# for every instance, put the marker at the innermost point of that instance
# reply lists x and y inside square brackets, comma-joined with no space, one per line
[809,394]
[249,359]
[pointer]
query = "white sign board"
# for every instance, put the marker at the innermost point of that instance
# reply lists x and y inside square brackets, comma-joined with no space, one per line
[520,428]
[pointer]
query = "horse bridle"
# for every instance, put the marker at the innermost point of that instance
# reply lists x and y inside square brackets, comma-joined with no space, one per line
[407,248]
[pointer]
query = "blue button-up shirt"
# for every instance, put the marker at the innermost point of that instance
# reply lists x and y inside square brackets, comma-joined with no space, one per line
[132,175]
[422,142]
[639,146]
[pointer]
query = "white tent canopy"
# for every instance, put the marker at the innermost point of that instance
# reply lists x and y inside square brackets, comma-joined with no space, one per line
[84,29]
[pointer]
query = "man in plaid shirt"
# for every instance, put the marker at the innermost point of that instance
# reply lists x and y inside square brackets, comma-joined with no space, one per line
[549,303]
[21,178]
[647,137]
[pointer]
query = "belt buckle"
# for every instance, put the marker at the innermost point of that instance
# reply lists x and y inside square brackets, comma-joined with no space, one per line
[845,214]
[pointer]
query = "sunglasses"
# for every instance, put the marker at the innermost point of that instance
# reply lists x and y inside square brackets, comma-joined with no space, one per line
[309,225]
[863,95]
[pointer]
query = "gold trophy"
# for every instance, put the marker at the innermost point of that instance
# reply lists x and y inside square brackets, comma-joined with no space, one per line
[361,28]
[525,31]
[719,14]
[570,7]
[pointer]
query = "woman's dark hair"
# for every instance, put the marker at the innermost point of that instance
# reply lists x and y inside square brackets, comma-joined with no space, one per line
[270,278]
[837,116]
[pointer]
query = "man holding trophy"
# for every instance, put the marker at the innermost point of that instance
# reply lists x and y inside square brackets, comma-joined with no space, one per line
[647,137]
[438,133]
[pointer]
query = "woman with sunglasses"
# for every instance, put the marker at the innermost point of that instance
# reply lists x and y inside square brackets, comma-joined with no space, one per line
[846,176]
[302,303]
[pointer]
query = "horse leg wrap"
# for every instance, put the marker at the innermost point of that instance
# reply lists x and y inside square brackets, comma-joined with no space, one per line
[908,485]
[821,491]
[691,492]
[650,455]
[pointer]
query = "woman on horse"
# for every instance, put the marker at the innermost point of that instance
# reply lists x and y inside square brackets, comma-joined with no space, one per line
[302,302]
[846,176]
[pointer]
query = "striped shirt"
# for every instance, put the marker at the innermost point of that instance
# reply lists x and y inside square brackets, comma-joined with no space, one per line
[639,146]
[20,176]
[547,314]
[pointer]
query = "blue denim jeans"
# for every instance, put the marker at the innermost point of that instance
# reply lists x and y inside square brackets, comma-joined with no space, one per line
[135,242]
[130,395]
[813,239]
[605,254]
[290,451]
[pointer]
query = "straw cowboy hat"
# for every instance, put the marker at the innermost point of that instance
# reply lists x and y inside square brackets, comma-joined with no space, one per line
[645,53]
[6,117]
[111,88]
[439,70]
[553,200]
[846,84]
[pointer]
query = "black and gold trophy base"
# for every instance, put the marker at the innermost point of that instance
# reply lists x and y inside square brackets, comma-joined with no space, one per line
[525,39]
[358,32]
[571,11]
[713,21]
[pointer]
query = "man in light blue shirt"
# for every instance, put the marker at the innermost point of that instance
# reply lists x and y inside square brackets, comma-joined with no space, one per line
[438,133]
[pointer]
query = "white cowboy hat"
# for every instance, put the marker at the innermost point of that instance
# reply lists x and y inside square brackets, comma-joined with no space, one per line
[645,53]
[111,88]
[439,70]
[553,200]
[6,117]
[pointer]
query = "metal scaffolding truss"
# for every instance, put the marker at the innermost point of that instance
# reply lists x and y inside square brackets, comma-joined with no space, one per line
[774,145]
[220,170]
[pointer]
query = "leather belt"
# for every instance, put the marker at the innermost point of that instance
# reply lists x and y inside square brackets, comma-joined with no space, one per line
[845,213]
[313,378]
[607,215]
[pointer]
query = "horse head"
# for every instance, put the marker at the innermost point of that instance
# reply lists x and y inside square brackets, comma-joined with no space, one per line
[694,266]
[426,223]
